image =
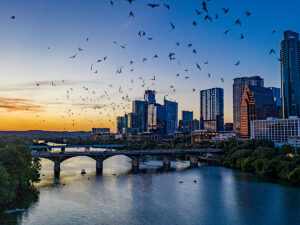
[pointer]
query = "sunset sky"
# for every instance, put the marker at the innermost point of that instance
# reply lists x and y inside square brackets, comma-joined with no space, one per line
[43,88]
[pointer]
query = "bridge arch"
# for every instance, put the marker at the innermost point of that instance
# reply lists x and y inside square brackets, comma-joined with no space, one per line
[111,156]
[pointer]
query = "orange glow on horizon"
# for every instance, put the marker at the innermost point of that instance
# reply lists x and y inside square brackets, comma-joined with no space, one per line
[26,121]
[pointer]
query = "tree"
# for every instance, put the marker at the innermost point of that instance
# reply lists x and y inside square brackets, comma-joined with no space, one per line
[7,187]
[261,166]
[18,171]
[247,164]
[286,149]
[294,176]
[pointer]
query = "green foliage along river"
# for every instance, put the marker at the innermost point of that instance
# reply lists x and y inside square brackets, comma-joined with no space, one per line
[18,172]
[262,158]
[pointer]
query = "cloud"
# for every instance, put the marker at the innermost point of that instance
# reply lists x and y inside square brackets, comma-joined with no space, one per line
[18,104]
[42,84]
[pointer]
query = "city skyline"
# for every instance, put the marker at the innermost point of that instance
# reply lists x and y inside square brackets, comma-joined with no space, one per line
[45,89]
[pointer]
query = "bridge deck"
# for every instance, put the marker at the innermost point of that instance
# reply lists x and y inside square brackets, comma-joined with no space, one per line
[33,147]
[125,152]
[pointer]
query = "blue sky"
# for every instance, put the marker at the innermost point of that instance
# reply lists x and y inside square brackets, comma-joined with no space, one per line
[64,25]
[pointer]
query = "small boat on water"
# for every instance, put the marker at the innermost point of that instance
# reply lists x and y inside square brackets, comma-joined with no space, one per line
[83,171]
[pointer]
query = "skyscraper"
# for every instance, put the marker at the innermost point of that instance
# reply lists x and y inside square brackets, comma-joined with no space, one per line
[149,96]
[134,122]
[141,109]
[278,101]
[156,119]
[257,104]
[187,115]
[171,116]
[212,109]
[238,88]
[187,124]
[122,122]
[290,74]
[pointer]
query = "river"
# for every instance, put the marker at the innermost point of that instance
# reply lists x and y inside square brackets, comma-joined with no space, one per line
[206,195]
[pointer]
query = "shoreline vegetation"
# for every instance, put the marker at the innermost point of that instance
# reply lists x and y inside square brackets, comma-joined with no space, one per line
[19,171]
[261,157]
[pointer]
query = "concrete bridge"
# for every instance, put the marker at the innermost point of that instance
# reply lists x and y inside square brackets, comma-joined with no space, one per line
[112,150]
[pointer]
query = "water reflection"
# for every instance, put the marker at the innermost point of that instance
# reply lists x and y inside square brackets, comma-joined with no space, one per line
[156,195]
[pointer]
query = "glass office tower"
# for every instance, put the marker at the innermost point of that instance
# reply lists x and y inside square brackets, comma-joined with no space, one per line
[238,89]
[212,109]
[171,116]
[290,74]
[187,115]
[141,109]
[149,96]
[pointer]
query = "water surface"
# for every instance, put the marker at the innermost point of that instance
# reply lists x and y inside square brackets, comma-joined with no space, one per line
[155,196]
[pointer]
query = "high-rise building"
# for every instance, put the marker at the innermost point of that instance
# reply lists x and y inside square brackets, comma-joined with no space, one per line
[238,88]
[277,99]
[122,122]
[212,109]
[290,74]
[257,104]
[156,118]
[171,109]
[134,121]
[277,130]
[141,109]
[187,124]
[187,115]
[149,96]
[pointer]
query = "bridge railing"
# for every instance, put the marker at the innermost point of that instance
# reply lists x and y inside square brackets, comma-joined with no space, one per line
[121,152]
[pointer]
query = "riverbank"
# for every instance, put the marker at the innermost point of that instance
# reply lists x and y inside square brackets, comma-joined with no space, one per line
[262,158]
[18,172]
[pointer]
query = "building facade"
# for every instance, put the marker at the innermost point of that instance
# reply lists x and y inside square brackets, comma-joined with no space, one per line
[290,74]
[238,89]
[134,122]
[212,109]
[228,127]
[187,124]
[257,104]
[122,122]
[156,119]
[187,115]
[277,99]
[140,108]
[149,96]
[223,136]
[202,135]
[277,130]
[171,109]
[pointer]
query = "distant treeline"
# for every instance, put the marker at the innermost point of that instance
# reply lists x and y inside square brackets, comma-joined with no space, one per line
[18,172]
[261,157]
